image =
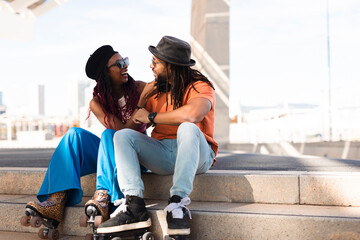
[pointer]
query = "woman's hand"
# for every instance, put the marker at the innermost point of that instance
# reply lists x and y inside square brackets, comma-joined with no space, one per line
[149,90]
[141,116]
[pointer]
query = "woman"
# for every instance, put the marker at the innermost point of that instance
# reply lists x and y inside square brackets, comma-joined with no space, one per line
[116,98]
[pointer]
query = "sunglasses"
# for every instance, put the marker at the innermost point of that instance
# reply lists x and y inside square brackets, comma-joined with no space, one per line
[121,63]
[154,63]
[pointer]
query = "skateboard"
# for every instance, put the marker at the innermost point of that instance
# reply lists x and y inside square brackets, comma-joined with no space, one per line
[95,220]
[163,224]
[136,234]
[33,219]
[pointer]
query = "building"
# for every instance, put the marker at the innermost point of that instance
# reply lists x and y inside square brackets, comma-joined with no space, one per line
[25,100]
[2,107]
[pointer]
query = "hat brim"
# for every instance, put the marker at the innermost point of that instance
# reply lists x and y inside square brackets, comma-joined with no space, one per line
[157,54]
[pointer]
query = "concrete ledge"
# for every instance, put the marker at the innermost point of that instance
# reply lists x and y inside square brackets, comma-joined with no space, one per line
[230,186]
[223,220]
[314,188]
[28,181]
[219,186]
[339,190]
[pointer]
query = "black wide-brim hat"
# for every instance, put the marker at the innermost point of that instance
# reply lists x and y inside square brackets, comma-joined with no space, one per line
[174,51]
[98,60]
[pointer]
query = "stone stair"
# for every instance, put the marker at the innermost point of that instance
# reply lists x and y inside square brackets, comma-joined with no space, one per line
[225,204]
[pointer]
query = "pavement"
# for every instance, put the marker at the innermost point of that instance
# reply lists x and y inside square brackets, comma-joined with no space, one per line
[226,160]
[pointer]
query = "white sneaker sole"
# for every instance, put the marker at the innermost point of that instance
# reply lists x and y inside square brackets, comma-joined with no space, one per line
[125,227]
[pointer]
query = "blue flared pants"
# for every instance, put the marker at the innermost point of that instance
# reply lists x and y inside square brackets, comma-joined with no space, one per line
[80,153]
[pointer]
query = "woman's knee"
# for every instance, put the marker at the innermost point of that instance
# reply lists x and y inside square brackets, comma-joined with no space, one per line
[108,133]
[73,132]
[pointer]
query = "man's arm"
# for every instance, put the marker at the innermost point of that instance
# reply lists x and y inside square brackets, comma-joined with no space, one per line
[194,111]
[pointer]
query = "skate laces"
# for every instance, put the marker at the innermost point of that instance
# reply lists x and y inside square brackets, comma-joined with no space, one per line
[177,208]
[122,207]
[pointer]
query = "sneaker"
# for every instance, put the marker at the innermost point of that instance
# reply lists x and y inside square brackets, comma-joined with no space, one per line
[131,214]
[101,202]
[176,211]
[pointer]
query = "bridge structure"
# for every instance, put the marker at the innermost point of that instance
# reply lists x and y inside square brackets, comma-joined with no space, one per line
[210,46]
[209,39]
[22,14]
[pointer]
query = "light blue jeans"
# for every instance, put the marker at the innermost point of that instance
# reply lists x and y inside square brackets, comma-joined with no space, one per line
[187,155]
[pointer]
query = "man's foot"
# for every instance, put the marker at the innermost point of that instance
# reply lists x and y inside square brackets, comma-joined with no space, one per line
[131,214]
[175,216]
[100,202]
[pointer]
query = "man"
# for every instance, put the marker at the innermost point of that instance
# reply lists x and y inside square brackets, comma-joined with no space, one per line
[181,143]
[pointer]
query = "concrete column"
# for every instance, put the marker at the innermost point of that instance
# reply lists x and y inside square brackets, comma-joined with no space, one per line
[210,48]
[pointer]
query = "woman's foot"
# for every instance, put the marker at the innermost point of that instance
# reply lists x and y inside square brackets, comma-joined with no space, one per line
[98,205]
[52,208]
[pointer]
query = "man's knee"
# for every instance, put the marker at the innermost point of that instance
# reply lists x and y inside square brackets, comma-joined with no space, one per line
[124,135]
[188,129]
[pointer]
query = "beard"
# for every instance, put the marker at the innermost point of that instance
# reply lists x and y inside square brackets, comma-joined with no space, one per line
[161,84]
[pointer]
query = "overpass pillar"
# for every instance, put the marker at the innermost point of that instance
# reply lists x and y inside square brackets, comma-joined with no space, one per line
[210,48]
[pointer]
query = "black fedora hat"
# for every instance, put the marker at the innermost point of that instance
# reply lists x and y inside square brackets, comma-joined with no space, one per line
[98,60]
[173,50]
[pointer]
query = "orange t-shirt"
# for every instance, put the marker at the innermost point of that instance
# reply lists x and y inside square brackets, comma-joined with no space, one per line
[162,131]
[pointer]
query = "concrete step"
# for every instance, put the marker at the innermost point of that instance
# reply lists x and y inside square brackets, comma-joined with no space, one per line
[271,187]
[31,236]
[220,220]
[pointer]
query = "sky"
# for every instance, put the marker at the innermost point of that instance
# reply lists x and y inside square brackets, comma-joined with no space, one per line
[278,49]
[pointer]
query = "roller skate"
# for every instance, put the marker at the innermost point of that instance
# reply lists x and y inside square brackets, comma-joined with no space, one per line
[174,225]
[129,221]
[96,212]
[48,213]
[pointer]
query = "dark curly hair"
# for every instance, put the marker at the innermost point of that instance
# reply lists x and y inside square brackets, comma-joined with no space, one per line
[109,104]
[180,78]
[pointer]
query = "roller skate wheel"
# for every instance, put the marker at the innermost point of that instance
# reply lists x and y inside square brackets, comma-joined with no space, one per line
[53,234]
[83,221]
[25,221]
[98,220]
[148,236]
[89,236]
[36,221]
[91,211]
[43,233]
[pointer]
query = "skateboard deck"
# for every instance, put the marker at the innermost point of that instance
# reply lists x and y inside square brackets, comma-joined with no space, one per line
[161,215]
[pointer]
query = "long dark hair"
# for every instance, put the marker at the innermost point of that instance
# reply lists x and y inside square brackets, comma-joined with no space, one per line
[109,103]
[180,78]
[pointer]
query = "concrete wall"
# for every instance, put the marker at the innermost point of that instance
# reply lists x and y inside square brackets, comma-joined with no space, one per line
[344,150]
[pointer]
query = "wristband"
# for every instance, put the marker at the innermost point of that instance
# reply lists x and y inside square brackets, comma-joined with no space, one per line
[151,117]
[137,107]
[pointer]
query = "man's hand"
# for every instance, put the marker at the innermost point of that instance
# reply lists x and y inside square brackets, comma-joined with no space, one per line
[141,116]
